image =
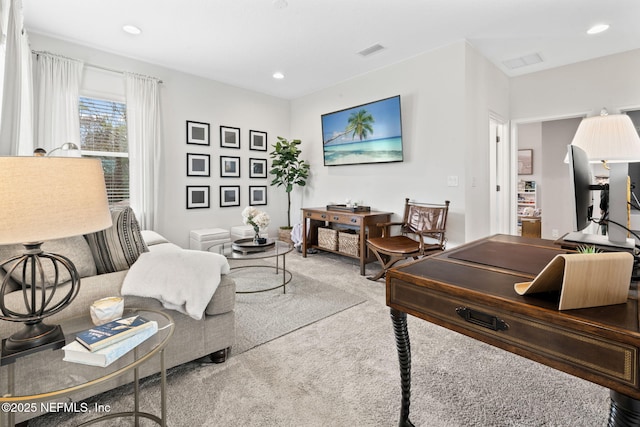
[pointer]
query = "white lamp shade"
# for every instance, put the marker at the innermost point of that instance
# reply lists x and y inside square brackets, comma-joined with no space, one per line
[44,198]
[611,138]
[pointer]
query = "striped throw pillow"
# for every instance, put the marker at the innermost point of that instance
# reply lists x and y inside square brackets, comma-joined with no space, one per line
[120,245]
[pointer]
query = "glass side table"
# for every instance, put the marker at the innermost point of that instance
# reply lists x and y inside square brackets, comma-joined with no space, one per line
[272,249]
[47,367]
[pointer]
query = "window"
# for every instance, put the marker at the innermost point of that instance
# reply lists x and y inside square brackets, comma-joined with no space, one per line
[103,135]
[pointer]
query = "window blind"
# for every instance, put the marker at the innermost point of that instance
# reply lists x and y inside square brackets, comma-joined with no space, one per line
[103,134]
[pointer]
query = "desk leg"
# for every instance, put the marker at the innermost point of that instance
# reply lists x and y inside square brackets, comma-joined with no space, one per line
[624,410]
[404,357]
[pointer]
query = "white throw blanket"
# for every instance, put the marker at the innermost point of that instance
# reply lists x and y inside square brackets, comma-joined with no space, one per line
[182,280]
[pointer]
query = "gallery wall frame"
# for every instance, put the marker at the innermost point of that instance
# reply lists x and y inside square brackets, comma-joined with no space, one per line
[229,167]
[229,137]
[257,168]
[198,164]
[257,195]
[257,140]
[197,133]
[229,195]
[525,162]
[197,196]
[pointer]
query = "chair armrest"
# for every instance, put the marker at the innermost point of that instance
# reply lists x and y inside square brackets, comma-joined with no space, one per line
[386,225]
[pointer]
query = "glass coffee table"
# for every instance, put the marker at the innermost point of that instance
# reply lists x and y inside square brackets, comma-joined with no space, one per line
[21,382]
[244,250]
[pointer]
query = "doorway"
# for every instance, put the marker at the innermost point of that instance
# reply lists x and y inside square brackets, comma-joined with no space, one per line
[499,204]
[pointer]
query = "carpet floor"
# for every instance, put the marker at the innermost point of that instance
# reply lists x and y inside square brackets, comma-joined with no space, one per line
[342,370]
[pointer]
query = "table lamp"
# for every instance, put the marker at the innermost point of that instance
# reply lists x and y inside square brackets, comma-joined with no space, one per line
[613,141]
[45,198]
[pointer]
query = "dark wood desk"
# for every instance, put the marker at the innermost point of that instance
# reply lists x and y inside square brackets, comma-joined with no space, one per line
[364,222]
[469,290]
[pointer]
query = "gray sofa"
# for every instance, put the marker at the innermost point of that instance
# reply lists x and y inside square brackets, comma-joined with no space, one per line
[211,336]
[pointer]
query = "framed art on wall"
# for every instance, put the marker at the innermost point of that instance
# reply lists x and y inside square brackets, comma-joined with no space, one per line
[257,140]
[257,168]
[229,195]
[229,167]
[197,133]
[229,137]
[197,196]
[525,162]
[257,195]
[198,164]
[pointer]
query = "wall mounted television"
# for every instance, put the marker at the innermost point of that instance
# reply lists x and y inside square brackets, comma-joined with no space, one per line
[367,133]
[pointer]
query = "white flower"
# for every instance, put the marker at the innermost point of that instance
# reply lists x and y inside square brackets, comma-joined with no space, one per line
[261,220]
[255,217]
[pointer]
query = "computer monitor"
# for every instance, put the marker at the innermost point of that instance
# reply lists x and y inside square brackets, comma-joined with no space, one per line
[582,203]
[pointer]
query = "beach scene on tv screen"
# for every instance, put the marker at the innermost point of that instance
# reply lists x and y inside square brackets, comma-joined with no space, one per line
[369,133]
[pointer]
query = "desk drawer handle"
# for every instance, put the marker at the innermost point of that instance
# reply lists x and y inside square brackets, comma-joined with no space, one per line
[336,218]
[354,219]
[323,216]
[482,319]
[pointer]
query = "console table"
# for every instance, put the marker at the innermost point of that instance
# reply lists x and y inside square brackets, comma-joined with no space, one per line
[365,222]
[469,289]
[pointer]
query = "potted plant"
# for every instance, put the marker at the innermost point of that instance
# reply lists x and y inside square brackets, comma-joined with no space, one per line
[288,170]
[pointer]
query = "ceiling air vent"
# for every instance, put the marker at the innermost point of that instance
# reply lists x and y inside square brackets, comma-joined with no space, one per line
[371,50]
[522,61]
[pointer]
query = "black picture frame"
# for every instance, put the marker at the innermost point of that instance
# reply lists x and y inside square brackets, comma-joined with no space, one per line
[198,164]
[257,195]
[257,168]
[198,196]
[229,137]
[198,133]
[229,195]
[257,140]
[229,167]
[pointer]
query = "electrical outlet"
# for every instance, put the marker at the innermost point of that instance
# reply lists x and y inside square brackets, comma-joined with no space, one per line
[452,181]
[554,233]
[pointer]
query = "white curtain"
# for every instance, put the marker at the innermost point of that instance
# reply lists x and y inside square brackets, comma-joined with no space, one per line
[16,132]
[56,93]
[144,135]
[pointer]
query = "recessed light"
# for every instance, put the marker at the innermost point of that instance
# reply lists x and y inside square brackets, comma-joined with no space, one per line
[598,28]
[278,75]
[131,29]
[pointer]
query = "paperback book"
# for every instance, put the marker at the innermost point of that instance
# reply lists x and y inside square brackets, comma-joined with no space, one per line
[104,335]
[75,352]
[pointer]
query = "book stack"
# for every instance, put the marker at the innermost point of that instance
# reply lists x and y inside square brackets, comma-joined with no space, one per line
[104,344]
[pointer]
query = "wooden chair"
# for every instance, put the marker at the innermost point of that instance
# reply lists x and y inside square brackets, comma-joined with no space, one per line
[422,233]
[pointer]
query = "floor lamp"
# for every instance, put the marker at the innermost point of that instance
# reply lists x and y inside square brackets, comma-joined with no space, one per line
[44,198]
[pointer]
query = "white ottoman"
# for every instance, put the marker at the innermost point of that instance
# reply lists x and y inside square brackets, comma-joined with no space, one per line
[207,239]
[246,231]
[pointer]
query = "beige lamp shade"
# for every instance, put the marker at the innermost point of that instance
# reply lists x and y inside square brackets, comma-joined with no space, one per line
[44,198]
[611,138]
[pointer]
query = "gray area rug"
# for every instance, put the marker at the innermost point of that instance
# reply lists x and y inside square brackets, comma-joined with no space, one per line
[264,316]
[342,370]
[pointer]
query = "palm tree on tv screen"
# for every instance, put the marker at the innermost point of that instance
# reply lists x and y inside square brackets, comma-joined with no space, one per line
[360,124]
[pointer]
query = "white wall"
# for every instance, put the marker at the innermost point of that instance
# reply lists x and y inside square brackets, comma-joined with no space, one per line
[446,98]
[187,97]
[584,87]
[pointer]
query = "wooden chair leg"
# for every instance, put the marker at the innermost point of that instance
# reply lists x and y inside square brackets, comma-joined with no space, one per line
[385,265]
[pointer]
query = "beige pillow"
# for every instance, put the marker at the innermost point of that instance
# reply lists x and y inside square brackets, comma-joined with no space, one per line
[74,248]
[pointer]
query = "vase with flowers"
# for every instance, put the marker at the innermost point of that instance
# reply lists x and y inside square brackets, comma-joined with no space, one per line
[257,219]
